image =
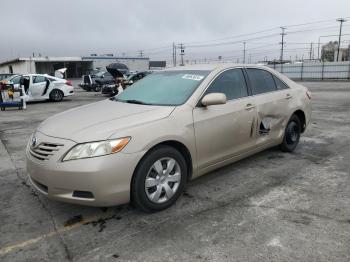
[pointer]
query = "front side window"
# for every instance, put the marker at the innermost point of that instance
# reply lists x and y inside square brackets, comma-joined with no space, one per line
[164,88]
[261,81]
[231,83]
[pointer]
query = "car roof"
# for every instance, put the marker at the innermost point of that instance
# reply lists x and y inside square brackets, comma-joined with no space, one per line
[46,75]
[211,67]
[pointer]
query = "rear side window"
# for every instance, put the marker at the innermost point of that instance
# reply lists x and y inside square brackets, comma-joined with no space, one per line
[231,83]
[280,85]
[261,81]
[38,79]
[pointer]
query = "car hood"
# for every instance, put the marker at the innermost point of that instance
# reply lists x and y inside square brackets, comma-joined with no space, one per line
[100,120]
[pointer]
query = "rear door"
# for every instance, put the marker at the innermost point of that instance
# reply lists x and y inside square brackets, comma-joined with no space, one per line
[37,86]
[272,104]
[223,131]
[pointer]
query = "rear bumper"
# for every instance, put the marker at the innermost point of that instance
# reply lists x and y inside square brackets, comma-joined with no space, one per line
[100,181]
[68,90]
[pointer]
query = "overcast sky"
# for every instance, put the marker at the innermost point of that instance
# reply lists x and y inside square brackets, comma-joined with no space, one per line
[82,27]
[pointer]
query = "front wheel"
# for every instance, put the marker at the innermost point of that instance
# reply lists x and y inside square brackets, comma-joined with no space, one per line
[56,95]
[97,88]
[291,134]
[159,179]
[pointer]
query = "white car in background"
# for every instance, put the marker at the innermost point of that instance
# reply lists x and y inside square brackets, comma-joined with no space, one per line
[42,87]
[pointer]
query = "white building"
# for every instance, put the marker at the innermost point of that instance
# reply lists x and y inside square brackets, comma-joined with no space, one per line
[76,66]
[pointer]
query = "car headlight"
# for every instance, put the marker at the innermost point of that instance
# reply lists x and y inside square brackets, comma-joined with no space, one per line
[94,149]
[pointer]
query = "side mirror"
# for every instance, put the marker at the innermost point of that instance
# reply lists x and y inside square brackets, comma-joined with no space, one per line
[214,99]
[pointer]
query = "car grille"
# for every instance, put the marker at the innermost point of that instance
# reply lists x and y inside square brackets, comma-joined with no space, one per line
[44,150]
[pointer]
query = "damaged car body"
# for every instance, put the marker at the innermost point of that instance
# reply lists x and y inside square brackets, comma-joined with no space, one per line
[165,129]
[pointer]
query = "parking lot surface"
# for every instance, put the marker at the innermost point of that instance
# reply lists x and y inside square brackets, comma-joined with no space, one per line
[273,206]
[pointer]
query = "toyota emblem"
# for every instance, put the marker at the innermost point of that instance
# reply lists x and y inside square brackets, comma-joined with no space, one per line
[34,141]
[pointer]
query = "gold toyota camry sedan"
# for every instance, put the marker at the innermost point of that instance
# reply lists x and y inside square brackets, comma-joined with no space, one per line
[144,144]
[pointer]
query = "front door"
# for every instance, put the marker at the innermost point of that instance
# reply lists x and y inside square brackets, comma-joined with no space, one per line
[223,131]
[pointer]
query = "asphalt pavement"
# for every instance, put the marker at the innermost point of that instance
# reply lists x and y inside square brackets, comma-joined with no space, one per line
[272,206]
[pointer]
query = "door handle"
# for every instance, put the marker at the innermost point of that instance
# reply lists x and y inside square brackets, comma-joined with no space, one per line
[288,96]
[249,106]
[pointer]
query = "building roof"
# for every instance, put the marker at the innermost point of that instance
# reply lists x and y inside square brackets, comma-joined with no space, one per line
[113,58]
[68,59]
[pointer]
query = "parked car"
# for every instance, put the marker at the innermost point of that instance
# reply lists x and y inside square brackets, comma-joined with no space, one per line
[112,89]
[6,75]
[134,78]
[167,128]
[96,81]
[7,82]
[42,87]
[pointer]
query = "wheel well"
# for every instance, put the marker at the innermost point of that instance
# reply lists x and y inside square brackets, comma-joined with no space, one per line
[301,115]
[56,89]
[182,149]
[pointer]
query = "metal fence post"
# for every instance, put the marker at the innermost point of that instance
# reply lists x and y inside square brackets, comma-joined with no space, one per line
[322,70]
[301,71]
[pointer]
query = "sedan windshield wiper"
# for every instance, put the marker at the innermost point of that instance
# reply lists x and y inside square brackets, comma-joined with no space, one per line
[133,101]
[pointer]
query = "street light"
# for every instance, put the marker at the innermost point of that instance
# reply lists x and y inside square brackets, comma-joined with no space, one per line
[341,20]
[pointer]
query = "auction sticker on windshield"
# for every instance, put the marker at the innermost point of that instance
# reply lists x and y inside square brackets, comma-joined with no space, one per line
[193,77]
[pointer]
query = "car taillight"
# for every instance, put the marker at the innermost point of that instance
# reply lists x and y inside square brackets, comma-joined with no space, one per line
[68,82]
[308,94]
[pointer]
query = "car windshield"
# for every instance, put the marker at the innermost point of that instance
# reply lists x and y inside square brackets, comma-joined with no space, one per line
[130,76]
[10,78]
[164,88]
[99,74]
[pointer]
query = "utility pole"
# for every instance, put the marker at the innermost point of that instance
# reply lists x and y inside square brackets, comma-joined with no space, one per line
[318,48]
[282,44]
[311,51]
[341,20]
[244,52]
[174,47]
[182,53]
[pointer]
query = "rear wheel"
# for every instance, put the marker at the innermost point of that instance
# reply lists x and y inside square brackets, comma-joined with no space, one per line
[56,95]
[291,134]
[159,179]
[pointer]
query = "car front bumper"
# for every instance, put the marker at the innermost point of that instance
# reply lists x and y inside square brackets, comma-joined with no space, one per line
[107,90]
[100,181]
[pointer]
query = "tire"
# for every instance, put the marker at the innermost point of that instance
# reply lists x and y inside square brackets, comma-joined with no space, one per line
[56,95]
[291,134]
[97,88]
[165,185]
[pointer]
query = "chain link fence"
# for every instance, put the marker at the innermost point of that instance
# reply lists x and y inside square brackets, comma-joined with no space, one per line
[315,70]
